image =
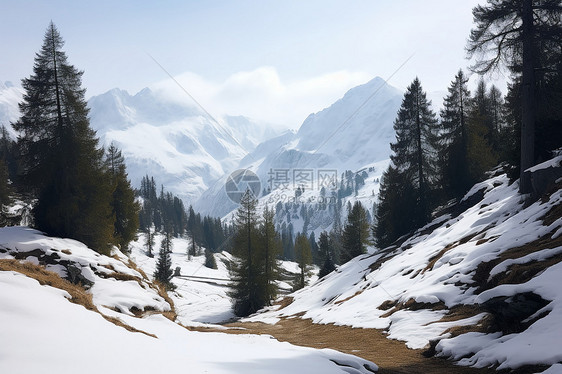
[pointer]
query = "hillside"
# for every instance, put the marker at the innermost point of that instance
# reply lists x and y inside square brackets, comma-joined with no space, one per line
[479,284]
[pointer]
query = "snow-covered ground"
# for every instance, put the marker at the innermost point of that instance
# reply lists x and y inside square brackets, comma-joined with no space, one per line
[42,331]
[201,293]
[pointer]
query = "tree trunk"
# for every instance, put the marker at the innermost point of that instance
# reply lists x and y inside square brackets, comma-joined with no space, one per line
[527,99]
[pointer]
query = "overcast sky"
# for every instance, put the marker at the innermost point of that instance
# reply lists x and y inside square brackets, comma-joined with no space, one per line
[271,60]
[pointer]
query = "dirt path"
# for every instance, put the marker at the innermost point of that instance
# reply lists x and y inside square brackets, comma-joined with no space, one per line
[391,356]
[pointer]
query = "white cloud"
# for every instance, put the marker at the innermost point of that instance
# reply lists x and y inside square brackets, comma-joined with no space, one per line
[262,94]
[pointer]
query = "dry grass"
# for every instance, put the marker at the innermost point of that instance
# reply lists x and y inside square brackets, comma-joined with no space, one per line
[49,278]
[284,302]
[392,356]
[78,294]
[162,291]
[118,322]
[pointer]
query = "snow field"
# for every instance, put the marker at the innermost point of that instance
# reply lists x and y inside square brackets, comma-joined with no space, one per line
[47,333]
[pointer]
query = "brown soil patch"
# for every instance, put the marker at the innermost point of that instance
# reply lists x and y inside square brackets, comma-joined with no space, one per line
[392,356]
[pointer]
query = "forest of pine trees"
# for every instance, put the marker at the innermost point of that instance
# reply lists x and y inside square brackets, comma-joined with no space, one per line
[476,132]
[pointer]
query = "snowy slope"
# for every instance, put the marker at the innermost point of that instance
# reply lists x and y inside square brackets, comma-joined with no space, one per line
[352,133]
[491,264]
[176,142]
[10,96]
[47,333]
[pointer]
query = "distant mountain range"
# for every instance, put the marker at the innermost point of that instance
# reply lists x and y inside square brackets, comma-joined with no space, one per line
[179,144]
[352,133]
[192,154]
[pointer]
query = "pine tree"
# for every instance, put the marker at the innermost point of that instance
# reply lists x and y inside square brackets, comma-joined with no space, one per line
[248,292]
[304,260]
[124,207]
[163,272]
[355,233]
[454,138]
[62,163]
[481,154]
[271,248]
[326,255]
[396,196]
[149,242]
[5,192]
[210,261]
[415,151]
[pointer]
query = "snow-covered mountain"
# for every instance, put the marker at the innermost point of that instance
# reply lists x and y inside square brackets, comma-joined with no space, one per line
[173,140]
[178,143]
[10,96]
[351,134]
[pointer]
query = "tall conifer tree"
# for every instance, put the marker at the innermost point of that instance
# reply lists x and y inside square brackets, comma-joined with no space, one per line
[525,35]
[304,260]
[124,207]
[271,249]
[355,233]
[414,152]
[61,160]
[163,272]
[248,292]
[454,137]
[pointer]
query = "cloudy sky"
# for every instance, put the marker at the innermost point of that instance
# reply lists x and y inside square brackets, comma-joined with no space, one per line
[271,60]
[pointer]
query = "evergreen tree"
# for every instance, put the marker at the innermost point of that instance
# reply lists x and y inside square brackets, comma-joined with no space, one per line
[314,248]
[163,272]
[355,233]
[210,261]
[454,138]
[4,191]
[149,242]
[125,208]
[304,260]
[248,293]
[396,196]
[326,254]
[271,248]
[415,153]
[496,113]
[61,160]
[481,153]
[8,153]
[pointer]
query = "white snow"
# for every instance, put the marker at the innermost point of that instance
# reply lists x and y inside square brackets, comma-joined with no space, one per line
[47,333]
